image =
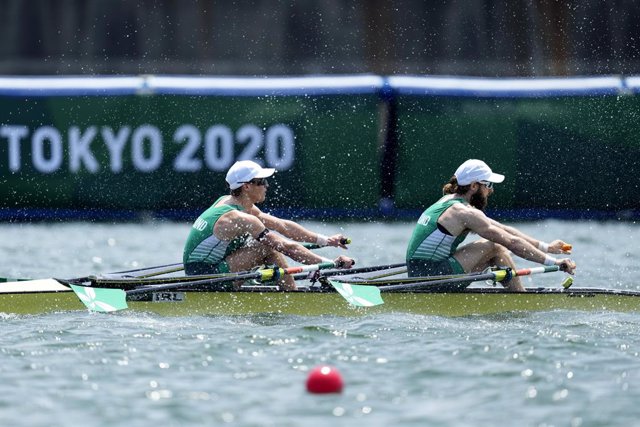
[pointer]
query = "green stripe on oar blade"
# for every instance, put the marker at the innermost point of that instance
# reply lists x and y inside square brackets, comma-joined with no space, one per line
[101,299]
[358,295]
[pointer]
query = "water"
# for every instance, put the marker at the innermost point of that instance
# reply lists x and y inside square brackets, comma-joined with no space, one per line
[557,368]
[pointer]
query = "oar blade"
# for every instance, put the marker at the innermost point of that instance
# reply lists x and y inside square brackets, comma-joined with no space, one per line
[358,295]
[100,299]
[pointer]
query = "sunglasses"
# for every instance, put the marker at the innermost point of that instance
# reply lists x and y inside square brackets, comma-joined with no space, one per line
[487,184]
[257,181]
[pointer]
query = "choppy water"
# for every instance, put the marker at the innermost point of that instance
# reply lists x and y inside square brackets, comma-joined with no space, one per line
[560,368]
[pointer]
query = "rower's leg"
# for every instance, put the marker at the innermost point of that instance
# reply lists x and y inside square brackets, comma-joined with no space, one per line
[249,257]
[479,255]
[287,282]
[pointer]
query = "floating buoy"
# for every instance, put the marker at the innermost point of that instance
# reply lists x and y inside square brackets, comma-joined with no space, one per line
[324,379]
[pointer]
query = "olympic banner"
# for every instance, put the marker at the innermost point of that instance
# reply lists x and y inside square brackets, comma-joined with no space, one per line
[165,143]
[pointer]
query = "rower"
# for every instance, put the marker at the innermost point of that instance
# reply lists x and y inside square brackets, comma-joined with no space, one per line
[434,245]
[235,235]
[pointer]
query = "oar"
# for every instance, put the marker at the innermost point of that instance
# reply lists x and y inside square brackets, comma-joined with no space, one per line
[376,280]
[140,273]
[149,274]
[132,282]
[367,295]
[348,271]
[107,300]
[151,271]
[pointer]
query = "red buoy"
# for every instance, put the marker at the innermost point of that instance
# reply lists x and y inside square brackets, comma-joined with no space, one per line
[324,379]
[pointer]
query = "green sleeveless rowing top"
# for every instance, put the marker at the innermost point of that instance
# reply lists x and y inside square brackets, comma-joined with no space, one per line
[202,245]
[430,243]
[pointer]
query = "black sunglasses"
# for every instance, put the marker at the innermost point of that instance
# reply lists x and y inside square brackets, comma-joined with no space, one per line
[257,181]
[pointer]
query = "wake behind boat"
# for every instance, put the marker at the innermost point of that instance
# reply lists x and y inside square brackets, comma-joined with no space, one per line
[321,291]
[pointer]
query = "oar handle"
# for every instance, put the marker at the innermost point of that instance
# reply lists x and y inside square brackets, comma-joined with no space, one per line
[275,273]
[501,275]
[310,246]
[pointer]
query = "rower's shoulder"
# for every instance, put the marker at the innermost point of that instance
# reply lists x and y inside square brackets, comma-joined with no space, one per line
[465,212]
[459,205]
[232,204]
[224,201]
[241,215]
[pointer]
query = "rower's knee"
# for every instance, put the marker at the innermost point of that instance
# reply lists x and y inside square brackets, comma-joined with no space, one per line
[501,251]
[497,252]
[275,257]
[490,248]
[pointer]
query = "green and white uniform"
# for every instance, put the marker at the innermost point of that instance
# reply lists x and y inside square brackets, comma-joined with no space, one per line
[203,252]
[431,248]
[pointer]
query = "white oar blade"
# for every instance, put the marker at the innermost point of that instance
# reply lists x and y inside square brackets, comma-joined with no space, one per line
[101,300]
[358,295]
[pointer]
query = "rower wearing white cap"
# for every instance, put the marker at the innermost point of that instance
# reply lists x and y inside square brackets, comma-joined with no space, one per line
[433,248]
[219,241]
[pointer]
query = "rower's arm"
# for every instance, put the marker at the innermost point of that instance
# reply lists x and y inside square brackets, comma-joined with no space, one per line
[235,223]
[476,221]
[555,247]
[295,231]
[491,230]
[296,251]
[515,232]
[291,249]
[288,228]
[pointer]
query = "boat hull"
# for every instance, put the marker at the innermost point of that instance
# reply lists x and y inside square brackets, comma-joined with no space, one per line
[307,303]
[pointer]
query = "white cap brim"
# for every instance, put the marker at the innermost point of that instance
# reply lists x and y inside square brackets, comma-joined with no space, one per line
[496,178]
[267,172]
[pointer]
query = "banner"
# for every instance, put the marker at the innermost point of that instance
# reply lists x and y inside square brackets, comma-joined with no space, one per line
[359,146]
[166,143]
[563,144]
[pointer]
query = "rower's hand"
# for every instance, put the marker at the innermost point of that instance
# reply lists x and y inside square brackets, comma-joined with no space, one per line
[567,265]
[338,241]
[344,262]
[559,247]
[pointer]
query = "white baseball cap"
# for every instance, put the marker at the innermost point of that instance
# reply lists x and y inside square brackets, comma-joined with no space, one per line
[244,171]
[474,170]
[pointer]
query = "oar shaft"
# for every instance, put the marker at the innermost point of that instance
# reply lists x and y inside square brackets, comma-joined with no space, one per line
[263,275]
[498,276]
[432,283]
[358,270]
[160,269]
[536,270]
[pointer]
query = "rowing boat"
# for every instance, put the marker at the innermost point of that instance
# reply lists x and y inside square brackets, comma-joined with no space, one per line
[311,299]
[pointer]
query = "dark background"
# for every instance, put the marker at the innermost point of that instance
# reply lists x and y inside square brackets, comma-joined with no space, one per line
[270,37]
